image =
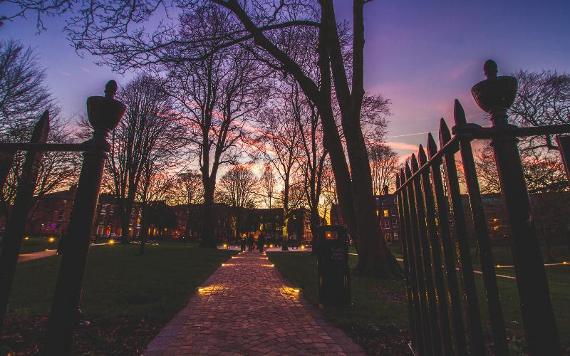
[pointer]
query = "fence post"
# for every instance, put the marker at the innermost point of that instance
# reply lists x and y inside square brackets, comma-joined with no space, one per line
[495,95]
[104,114]
[426,259]
[409,269]
[482,234]
[435,247]
[473,314]
[448,250]
[409,202]
[16,222]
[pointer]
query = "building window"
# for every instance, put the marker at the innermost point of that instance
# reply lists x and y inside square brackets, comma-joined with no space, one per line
[386,213]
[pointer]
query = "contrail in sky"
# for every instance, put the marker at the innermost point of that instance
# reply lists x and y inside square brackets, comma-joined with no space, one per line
[407,135]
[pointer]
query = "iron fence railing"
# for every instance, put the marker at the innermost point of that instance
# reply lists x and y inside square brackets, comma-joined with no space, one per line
[104,114]
[444,306]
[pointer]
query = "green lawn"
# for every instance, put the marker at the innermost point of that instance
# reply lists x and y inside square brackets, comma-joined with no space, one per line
[379,306]
[377,320]
[559,283]
[35,244]
[127,297]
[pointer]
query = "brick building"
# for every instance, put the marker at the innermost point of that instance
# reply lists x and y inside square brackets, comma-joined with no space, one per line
[386,212]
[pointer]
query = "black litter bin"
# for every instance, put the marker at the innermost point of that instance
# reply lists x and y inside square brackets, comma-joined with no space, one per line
[332,261]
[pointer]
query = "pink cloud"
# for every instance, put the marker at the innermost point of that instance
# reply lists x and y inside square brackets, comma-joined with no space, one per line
[402,146]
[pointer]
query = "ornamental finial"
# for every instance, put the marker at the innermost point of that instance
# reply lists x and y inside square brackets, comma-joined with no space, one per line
[490,68]
[111,89]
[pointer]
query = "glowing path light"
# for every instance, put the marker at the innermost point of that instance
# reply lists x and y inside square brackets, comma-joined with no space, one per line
[211,289]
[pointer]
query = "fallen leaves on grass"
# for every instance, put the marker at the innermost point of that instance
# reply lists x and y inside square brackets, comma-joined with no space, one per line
[380,340]
[106,336]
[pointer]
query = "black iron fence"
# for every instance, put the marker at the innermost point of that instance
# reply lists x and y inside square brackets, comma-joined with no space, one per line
[444,309]
[104,114]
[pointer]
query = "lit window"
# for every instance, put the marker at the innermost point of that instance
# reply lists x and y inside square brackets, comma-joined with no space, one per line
[386,213]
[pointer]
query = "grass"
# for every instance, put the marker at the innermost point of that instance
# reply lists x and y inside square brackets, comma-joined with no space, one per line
[377,319]
[35,244]
[559,284]
[127,297]
[379,306]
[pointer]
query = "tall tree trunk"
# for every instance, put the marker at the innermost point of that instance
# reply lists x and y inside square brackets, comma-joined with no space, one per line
[208,228]
[332,141]
[144,228]
[126,211]
[374,256]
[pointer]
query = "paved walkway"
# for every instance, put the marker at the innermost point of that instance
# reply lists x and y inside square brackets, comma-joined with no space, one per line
[25,257]
[246,308]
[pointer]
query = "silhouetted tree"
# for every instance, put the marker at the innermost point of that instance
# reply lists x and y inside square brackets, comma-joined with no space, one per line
[23,93]
[148,132]
[188,191]
[268,183]
[23,98]
[314,158]
[157,187]
[279,141]
[384,165]
[278,34]
[216,95]
[238,186]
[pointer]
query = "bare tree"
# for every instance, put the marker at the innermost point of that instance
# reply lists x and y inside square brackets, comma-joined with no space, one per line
[216,95]
[384,165]
[543,171]
[188,191]
[23,93]
[157,185]
[279,141]
[543,99]
[148,129]
[238,187]
[314,158]
[272,32]
[23,97]
[328,194]
[268,184]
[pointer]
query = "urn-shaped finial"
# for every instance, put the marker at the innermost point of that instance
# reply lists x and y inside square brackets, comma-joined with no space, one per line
[496,94]
[104,112]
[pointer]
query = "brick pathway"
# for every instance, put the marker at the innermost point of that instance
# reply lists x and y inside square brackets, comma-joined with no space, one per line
[246,308]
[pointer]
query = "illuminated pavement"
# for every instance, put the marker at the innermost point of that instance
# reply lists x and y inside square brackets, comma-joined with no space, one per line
[25,257]
[246,308]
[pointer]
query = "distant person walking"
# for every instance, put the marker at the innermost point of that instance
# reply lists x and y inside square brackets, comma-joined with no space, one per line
[260,242]
[243,243]
[250,242]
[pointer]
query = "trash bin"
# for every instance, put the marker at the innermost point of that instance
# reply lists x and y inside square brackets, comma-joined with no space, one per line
[332,262]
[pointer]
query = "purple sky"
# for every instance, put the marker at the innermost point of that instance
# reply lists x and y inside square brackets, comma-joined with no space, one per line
[420,54]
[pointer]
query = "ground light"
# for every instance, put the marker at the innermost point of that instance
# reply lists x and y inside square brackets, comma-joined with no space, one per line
[51,239]
[290,292]
[211,289]
[111,242]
